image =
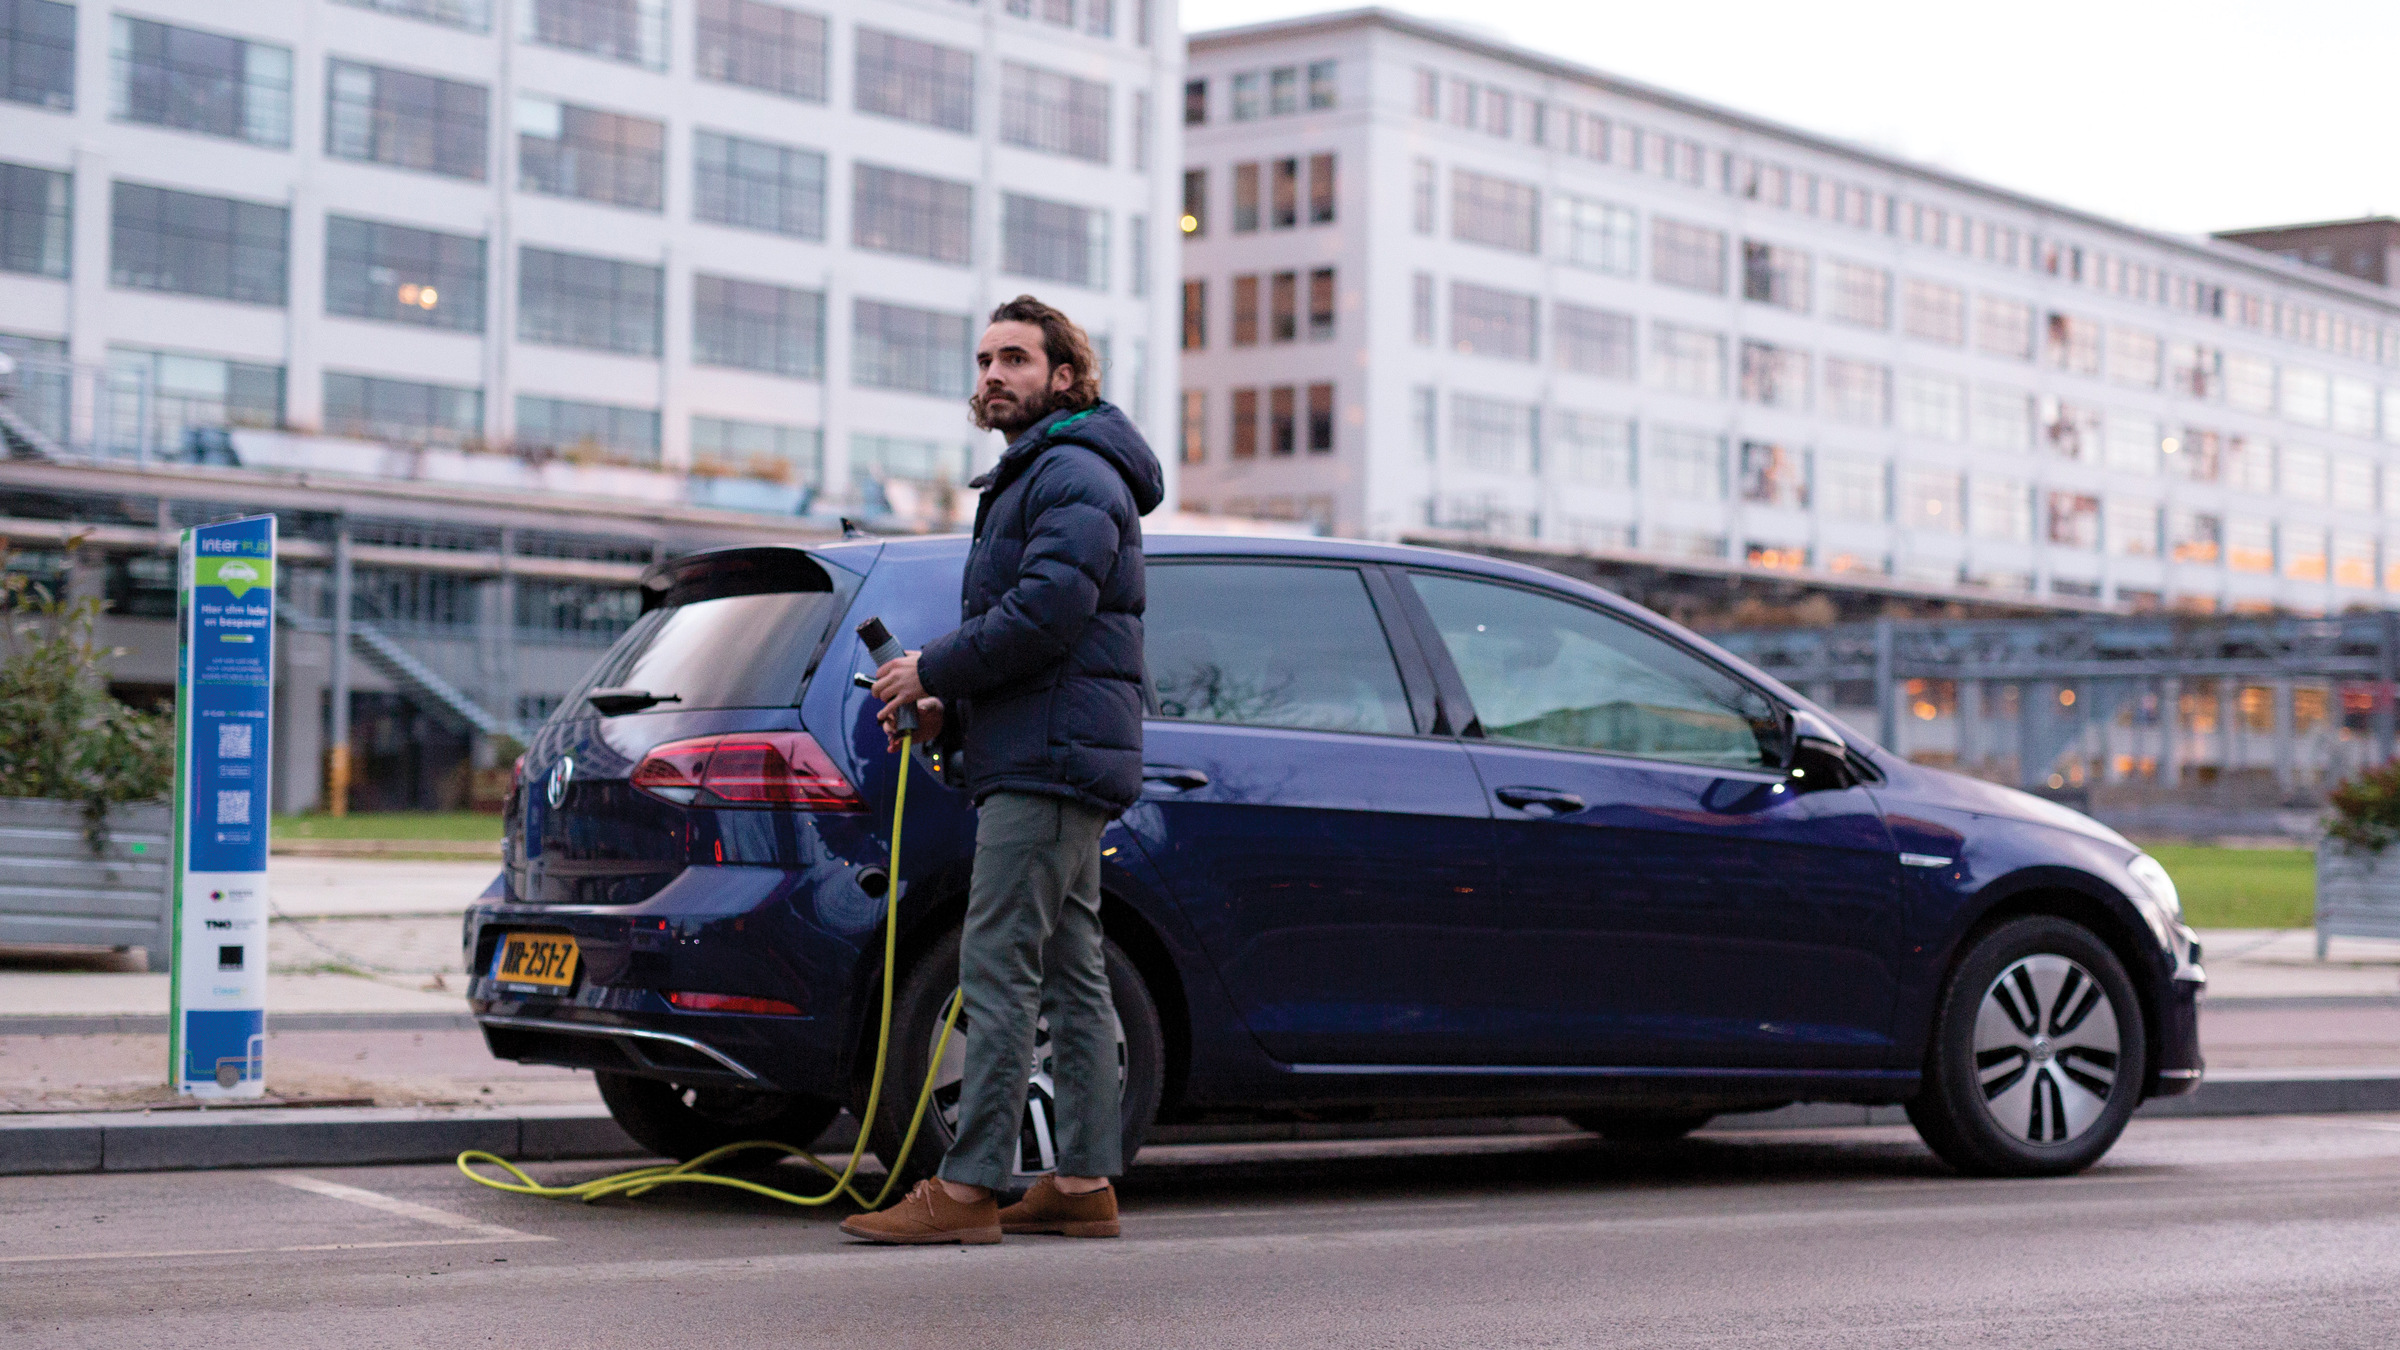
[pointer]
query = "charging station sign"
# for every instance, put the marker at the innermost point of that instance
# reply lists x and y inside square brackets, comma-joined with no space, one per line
[224,692]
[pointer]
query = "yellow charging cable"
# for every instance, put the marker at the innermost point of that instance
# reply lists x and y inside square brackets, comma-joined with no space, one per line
[643,1179]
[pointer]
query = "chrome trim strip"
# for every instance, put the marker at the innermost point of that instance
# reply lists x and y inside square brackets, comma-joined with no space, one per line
[1925,860]
[2180,1073]
[590,1029]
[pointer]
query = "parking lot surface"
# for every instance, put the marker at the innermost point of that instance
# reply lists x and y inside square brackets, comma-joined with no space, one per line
[2258,1231]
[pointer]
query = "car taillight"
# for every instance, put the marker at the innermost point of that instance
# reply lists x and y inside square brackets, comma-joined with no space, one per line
[747,768]
[731,1003]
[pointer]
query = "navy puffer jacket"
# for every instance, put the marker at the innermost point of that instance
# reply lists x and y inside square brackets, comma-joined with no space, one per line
[1043,680]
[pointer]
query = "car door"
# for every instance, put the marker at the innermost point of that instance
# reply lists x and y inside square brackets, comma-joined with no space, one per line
[1676,897]
[1334,855]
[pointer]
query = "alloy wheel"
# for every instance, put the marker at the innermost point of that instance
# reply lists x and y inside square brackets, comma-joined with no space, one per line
[2046,1046]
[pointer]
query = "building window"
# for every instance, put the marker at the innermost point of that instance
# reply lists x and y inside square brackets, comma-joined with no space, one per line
[1054,241]
[1858,294]
[2073,432]
[1933,501]
[1593,450]
[1690,256]
[1423,197]
[1933,312]
[1687,360]
[632,31]
[191,391]
[2072,344]
[397,274]
[1141,130]
[1195,426]
[2002,508]
[1491,434]
[1245,424]
[2133,357]
[1245,198]
[1053,112]
[1321,189]
[576,300]
[1597,235]
[2354,407]
[1851,488]
[760,46]
[1933,406]
[1776,276]
[1320,305]
[1773,474]
[1488,322]
[2003,328]
[1687,463]
[1283,91]
[1774,376]
[1495,211]
[1245,311]
[1195,202]
[2074,520]
[1423,401]
[1195,316]
[2249,544]
[567,424]
[1421,308]
[1859,392]
[916,81]
[204,82]
[403,411]
[37,214]
[2131,444]
[1320,419]
[1283,300]
[1246,96]
[1137,239]
[37,53]
[1285,208]
[757,185]
[876,460]
[2195,537]
[1283,420]
[473,15]
[2249,382]
[2303,473]
[761,450]
[892,211]
[569,151]
[2000,418]
[750,325]
[920,350]
[2132,528]
[1594,341]
[161,240]
[1323,87]
[411,121]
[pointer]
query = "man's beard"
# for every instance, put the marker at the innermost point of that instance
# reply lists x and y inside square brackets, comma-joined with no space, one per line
[1012,418]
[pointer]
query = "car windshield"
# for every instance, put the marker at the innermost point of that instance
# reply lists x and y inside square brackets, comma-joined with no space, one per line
[737,651]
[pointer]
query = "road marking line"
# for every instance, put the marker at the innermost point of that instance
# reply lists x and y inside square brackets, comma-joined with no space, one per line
[261,1251]
[406,1209]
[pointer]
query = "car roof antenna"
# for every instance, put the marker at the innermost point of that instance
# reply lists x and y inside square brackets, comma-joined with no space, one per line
[851,529]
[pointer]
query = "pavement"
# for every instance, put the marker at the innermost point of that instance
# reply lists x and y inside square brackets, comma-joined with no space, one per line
[367,1017]
[2255,1231]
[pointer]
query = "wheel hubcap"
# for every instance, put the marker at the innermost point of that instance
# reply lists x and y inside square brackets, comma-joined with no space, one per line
[1037,1136]
[2046,1050]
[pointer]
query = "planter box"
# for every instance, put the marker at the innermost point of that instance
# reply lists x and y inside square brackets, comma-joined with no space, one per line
[2358,892]
[54,889]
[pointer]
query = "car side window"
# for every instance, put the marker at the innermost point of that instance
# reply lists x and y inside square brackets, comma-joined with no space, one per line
[1271,645]
[1542,670]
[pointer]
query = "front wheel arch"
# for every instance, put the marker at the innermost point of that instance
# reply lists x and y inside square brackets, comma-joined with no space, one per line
[2123,933]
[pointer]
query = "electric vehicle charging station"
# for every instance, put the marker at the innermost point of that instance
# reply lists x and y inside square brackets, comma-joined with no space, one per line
[224,700]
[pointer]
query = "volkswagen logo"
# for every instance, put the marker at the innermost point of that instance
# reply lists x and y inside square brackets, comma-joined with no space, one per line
[560,773]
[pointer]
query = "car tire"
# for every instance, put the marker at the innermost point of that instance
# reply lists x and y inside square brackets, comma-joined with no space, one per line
[2037,1056]
[917,1013]
[1640,1127]
[682,1123]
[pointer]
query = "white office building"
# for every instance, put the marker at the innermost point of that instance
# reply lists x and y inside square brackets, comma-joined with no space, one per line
[1438,286]
[750,240]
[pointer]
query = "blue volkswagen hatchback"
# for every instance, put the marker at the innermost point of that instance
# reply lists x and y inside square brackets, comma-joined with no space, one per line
[1421,834]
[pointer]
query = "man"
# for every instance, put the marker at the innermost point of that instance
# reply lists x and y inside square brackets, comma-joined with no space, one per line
[1041,687]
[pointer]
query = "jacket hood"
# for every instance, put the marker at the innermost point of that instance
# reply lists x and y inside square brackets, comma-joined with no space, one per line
[1103,429]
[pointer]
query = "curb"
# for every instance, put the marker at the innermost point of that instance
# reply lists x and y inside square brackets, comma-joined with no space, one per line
[155,1024]
[135,1141]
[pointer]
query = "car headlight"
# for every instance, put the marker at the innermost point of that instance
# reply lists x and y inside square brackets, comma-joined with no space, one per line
[2154,879]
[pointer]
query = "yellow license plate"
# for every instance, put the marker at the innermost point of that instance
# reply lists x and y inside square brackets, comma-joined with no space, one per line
[541,960]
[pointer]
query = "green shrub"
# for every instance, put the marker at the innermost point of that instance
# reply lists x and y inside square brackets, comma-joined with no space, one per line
[65,736]
[2366,809]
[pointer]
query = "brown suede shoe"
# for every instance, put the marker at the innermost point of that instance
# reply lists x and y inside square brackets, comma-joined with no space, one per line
[1047,1209]
[928,1215]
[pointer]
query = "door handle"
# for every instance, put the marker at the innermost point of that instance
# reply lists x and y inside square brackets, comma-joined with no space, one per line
[1174,776]
[1555,802]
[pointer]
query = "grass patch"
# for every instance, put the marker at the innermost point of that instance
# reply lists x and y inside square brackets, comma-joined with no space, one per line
[2242,887]
[460,825]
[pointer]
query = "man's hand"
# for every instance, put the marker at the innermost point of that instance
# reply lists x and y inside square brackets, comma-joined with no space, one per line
[929,723]
[896,680]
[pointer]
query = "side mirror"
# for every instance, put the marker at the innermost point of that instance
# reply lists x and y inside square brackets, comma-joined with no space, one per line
[1820,757]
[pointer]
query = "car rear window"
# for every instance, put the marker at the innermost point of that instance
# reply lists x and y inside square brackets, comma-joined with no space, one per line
[749,650]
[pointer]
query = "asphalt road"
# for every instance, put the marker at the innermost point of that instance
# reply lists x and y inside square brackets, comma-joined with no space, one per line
[2262,1231]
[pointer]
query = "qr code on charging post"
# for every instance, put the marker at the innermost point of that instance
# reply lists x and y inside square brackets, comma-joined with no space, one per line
[233,740]
[233,808]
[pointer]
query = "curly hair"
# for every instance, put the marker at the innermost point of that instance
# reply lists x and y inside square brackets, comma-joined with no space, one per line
[1064,343]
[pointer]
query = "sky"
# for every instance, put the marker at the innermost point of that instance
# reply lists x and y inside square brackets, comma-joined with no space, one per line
[2189,117]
